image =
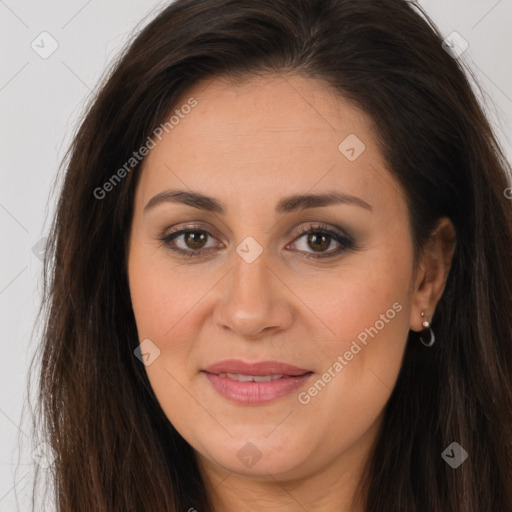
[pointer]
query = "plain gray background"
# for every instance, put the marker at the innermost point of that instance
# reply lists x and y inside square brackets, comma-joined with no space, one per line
[41,101]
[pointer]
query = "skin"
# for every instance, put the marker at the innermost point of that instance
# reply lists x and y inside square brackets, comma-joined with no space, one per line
[248,143]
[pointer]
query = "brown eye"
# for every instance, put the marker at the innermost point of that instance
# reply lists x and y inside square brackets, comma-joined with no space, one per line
[321,242]
[318,242]
[190,242]
[195,239]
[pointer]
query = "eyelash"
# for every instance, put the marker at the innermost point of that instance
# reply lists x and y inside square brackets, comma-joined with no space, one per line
[346,242]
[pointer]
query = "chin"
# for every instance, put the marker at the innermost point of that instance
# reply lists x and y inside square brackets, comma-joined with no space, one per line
[260,457]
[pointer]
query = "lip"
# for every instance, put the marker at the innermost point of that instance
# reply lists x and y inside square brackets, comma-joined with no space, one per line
[255,393]
[257,368]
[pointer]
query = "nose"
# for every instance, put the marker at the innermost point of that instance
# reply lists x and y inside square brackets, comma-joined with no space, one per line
[253,301]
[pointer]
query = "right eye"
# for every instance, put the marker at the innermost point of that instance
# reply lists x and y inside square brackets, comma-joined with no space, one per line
[189,242]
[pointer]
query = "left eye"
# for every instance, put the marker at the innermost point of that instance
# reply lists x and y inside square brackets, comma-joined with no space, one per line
[317,243]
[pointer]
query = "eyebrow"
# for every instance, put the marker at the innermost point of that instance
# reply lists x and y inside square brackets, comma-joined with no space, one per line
[286,205]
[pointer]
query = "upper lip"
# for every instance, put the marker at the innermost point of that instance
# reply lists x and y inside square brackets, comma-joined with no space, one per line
[256,368]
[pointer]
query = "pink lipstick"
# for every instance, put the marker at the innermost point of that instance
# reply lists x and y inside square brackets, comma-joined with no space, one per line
[255,383]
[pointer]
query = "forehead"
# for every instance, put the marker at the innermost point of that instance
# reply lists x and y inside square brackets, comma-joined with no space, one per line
[263,134]
[272,109]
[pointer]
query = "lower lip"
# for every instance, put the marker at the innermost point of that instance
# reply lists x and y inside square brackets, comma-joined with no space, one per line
[254,393]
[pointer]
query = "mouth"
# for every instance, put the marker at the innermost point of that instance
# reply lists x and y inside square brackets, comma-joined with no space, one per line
[255,383]
[240,377]
[256,369]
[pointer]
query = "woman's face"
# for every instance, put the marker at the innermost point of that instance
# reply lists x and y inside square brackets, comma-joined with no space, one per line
[224,271]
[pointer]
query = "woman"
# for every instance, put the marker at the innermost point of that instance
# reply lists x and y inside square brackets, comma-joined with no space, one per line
[281,274]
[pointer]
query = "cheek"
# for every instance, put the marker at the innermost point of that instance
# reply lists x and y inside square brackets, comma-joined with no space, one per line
[367,312]
[161,305]
[366,300]
[161,298]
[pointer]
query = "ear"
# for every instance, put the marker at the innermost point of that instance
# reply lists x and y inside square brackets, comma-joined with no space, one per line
[432,272]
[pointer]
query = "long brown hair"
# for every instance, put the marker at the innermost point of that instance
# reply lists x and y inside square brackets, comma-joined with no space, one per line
[116,450]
